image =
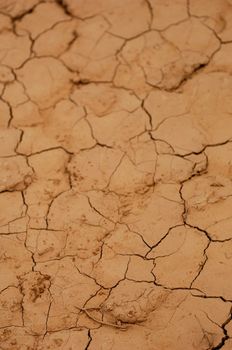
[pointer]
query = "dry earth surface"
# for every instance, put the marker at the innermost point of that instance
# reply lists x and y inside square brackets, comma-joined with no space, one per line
[116,174]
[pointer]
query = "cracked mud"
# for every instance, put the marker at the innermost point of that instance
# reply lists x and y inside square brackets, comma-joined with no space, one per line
[116,174]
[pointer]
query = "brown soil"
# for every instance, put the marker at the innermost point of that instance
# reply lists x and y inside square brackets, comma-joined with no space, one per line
[116,174]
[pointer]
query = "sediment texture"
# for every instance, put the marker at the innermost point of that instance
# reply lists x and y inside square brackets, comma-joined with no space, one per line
[116,174]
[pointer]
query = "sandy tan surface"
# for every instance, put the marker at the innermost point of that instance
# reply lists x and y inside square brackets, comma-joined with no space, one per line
[115,174]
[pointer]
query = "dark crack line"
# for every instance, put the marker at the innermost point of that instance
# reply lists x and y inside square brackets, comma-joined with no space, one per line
[225,336]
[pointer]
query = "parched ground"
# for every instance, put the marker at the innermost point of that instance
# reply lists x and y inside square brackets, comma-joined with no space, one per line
[115,174]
